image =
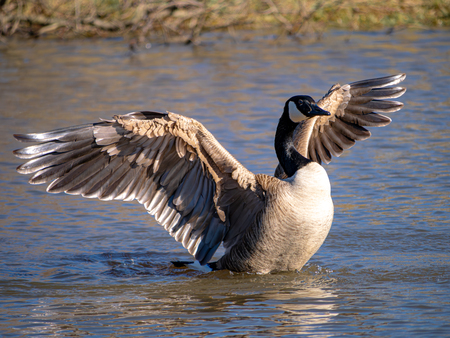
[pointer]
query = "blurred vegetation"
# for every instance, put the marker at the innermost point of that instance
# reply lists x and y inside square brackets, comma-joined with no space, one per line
[186,20]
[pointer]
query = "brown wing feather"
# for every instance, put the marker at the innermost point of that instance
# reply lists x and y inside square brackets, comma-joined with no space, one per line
[169,163]
[352,107]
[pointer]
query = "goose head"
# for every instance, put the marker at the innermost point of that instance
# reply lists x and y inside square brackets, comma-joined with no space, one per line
[302,107]
[298,109]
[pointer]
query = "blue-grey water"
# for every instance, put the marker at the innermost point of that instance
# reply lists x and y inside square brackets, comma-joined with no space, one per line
[72,267]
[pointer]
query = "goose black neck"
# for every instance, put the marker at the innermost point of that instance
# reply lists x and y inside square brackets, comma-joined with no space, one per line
[290,159]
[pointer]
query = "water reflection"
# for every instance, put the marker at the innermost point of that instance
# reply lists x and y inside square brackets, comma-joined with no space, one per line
[274,305]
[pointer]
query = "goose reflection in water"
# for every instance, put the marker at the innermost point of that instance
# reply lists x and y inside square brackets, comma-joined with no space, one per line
[298,303]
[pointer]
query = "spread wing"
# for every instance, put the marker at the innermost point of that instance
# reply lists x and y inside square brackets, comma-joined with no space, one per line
[352,106]
[169,163]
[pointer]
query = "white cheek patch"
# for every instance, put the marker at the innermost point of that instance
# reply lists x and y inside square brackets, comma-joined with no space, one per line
[295,114]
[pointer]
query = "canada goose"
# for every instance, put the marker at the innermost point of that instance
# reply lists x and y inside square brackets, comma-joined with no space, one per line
[200,193]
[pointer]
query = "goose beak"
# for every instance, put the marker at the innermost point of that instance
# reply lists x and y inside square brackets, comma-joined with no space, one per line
[317,111]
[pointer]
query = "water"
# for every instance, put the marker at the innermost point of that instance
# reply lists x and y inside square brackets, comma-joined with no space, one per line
[76,267]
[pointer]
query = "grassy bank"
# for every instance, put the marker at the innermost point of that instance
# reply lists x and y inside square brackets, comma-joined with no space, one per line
[186,20]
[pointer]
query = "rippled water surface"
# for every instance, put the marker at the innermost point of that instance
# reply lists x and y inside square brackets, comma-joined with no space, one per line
[76,267]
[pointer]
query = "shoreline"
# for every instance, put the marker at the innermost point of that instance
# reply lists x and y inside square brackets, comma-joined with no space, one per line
[185,21]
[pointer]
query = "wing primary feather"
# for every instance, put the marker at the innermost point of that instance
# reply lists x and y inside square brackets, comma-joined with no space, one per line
[109,134]
[207,217]
[214,231]
[370,120]
[68,134]
[145,158]
[176,219]
[167,213]
[145,185]
[385,81]
[77,174]
[186,236]
[157,198]
[322,152]
[149,195]
[208,207]
[73,163]
[183,193]
[174,176]
[378,94]
[161,151]
[55,172]
[109,190]
[201,206]
[193,245]
[350,130]
[181,232]
[195,195]
[332,147]
[312,154]
[374,106]
[177,223]
[206,249]
[146,149]
[39,150]
[134,189]
[53,160]
[174,216]
[384,106]
[162,206]
[95,185]
[327,148]
[170,158]
[196,212]
[339,139]
[126,183]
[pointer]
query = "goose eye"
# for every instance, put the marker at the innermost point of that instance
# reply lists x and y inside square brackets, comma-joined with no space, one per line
[300,102]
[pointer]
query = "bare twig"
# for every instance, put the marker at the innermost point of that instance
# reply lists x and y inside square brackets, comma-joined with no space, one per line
[17,22]
[77,15]
[276,13]
[307,16]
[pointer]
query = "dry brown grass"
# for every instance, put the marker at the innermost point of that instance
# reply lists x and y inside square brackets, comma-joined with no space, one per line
[185,20]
